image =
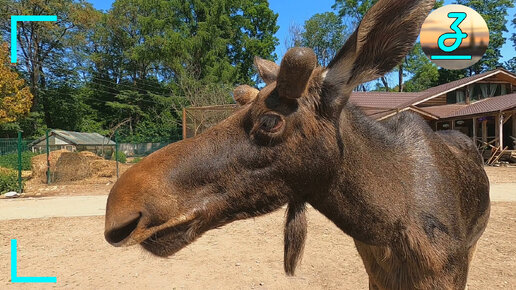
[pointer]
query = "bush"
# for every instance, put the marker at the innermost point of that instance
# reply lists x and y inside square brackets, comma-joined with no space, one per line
[8,180]
[136,160]
[121,157]
[11,160]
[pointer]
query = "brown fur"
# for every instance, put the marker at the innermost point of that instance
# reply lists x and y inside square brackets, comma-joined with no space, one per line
[415,201]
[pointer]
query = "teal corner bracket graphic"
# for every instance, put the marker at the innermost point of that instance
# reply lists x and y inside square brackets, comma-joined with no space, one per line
[14,270]
[14,20]
[458,35]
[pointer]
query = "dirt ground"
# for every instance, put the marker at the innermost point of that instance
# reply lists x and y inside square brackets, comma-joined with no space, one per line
[243,255]
[501,174]
[96,186]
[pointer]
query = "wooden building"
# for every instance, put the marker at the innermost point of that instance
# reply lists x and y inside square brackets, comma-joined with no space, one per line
[74,141]
[482,106]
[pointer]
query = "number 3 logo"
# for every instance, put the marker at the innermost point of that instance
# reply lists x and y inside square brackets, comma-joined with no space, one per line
[458,35]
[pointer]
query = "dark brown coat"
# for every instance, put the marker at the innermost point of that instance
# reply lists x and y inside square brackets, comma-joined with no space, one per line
[414,201]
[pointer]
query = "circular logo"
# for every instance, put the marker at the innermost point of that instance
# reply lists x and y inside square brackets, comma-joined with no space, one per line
[454,37]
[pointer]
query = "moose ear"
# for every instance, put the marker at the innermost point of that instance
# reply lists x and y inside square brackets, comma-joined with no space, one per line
[244,94]
[385,35]
[295,72]
[267,69]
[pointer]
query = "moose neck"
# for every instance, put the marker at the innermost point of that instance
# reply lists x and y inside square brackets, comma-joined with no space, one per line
[369,197]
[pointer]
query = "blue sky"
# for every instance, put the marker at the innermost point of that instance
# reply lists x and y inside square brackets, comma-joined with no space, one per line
[298,11]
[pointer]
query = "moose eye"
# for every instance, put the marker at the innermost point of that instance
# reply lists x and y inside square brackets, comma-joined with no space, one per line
[271,123]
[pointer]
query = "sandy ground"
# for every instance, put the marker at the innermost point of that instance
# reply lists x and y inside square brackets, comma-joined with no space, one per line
[100,186]
[243,255]
[501,174]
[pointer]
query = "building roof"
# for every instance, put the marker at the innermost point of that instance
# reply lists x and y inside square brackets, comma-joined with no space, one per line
[378,104]
[444,110]
[451,86]
[79,138]
[489,105]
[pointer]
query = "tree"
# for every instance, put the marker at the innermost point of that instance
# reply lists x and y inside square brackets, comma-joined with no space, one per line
[15,96]
[131,67]
[325,34]
[494,13]
[424,73]
[511,64]
[294,37]
[354,10]
[43,46]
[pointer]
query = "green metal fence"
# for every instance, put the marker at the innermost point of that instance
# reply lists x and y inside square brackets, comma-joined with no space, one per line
[17,153]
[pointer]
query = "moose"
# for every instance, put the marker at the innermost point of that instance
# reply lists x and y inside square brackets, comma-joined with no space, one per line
[415,201]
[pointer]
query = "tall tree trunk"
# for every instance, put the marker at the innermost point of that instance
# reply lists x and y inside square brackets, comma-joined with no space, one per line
[400,78]
[385,84]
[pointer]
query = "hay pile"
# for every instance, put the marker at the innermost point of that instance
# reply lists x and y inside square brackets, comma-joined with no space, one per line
[69,166]
[72,166]
[39,164]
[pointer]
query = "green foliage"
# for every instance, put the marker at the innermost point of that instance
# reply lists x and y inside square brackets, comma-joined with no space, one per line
[511,64]
[49,49]
[11,160]
[8,180]
[215,40]
[356,9]
[325,34]
[121,157]
[353,9]
[425,74]
[422,73]
[136,160]
[446,76]
[129,68]
[494,13]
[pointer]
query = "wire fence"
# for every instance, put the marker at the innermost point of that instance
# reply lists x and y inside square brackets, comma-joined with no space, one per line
[198,119]
[53,158]
[64,156]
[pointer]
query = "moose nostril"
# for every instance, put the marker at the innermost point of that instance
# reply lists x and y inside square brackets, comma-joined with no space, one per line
[120,233]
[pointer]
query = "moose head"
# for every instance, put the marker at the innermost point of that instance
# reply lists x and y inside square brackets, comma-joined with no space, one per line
[284,145]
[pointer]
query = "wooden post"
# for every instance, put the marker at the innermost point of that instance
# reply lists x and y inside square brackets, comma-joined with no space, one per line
[484,131]
[453,124]
[468,94]
[475,131]
[500,130]
[514,128]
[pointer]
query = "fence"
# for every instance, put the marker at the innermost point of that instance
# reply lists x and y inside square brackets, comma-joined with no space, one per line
[140,149]
[198,119]
[10,146]
[14,154]
[50,160]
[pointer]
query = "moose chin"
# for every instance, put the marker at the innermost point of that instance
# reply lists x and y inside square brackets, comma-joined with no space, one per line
[415,217]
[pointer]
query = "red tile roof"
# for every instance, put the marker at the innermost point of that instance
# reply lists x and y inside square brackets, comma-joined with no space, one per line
[444,110]
[489,105]
[381,100]
[381,104]
[439,90]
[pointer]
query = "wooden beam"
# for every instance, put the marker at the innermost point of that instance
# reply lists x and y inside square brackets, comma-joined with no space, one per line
[506,119]
[500,130]
[469,90]
[484,131]
[514,127]
[475,131]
